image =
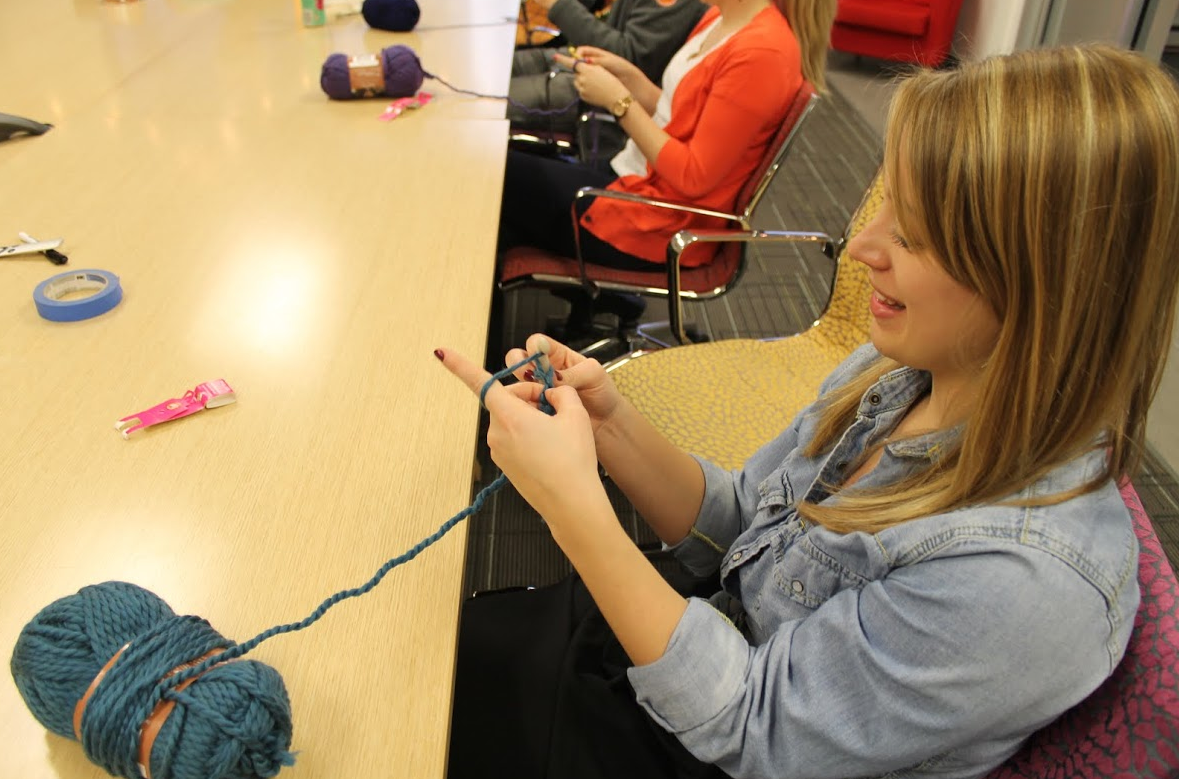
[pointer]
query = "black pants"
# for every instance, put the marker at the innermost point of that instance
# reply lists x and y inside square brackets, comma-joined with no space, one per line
[541,693]
[539,93]
[538,192]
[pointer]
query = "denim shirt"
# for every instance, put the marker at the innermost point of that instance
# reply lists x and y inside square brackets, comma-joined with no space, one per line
[932,648]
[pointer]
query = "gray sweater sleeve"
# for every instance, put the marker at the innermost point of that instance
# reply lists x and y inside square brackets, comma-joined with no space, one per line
[641,31]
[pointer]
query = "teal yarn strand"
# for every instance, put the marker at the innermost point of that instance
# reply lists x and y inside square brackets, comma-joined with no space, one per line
[234,722]
[546,375]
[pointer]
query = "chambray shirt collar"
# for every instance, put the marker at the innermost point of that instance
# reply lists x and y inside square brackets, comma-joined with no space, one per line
[888,400]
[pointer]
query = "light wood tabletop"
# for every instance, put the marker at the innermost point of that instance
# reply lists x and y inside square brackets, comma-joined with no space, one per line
[312,256]
[62,57]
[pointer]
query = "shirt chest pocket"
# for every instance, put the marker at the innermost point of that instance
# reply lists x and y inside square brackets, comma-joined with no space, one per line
[808,575]
[775,491]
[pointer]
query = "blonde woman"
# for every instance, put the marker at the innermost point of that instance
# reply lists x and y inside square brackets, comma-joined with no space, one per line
[933,561]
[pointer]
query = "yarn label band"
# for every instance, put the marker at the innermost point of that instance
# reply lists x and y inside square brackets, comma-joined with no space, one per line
[80,707]
[159,714]
[366,75]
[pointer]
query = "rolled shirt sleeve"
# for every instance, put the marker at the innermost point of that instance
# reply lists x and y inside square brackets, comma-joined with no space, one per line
[648,35]
[884,677]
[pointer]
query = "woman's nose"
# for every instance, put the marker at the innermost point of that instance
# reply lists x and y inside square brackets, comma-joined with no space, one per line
[870,245]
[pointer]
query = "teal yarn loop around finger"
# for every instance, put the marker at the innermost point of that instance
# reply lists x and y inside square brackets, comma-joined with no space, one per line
[545,375]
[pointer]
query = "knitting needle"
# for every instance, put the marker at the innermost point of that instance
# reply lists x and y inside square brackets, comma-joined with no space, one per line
[543,346]
[576,59]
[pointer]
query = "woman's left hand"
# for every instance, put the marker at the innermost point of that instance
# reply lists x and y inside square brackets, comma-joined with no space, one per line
[597,86]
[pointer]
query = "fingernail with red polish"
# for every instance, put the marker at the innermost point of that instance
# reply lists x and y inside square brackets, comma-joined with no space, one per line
[558,375]
[529,375]
[439,354]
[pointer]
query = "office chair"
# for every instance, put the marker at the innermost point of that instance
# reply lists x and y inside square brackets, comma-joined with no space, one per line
[732,396]
[916,31]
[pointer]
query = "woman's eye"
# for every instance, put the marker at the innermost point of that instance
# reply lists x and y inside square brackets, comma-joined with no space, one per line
[898,239]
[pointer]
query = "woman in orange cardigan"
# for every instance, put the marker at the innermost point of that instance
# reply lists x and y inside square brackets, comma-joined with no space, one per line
[696,139]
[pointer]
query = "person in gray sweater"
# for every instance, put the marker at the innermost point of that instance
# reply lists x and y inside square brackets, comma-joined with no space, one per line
[646,32]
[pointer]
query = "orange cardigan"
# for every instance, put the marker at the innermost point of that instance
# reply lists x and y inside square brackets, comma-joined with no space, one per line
[724,112]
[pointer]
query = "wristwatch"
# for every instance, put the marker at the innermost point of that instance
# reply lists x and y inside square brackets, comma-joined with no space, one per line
[620,107]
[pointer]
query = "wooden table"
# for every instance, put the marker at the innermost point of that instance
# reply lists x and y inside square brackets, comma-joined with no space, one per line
[313,257]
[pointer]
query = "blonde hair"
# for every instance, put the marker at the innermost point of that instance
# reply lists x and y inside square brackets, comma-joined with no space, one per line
[1048,183]
[811,22]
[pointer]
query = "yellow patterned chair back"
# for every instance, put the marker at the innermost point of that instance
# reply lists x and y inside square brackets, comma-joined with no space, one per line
[725,399]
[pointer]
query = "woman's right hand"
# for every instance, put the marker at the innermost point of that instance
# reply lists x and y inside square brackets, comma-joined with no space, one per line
[584,374]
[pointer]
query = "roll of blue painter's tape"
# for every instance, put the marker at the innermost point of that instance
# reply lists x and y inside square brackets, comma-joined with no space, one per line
[49,295]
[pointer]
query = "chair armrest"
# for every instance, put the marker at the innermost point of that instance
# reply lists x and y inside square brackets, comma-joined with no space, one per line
[684,238]
[616,195]
[594,115]
[525,139]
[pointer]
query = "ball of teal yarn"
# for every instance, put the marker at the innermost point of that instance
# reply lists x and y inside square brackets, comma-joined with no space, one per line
[234,722]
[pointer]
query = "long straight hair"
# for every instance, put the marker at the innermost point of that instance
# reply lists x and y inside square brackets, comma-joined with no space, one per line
[1048,183]
[811,22]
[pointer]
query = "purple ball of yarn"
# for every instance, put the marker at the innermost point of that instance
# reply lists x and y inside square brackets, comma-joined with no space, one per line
[400,66]
[394,15]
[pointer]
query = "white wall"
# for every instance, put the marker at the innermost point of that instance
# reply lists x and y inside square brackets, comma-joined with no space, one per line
[987,27]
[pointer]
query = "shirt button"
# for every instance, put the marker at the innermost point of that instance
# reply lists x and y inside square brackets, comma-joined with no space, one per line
[797,586]
[839,466]
[874,398]
[736,557]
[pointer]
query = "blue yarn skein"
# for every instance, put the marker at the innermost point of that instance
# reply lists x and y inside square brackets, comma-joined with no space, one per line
[400,68]
[234,722]
[392,15]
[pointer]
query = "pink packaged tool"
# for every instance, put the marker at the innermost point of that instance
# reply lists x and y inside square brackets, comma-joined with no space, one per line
[398,106]
[211,394]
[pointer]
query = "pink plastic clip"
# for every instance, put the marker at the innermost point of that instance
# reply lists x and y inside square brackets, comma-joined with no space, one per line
[211,394]
[394,109]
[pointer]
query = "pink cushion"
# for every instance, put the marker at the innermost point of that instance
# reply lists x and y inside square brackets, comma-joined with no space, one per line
[1129,727]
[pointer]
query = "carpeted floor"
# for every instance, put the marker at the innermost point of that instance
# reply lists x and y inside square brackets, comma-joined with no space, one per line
[828,170]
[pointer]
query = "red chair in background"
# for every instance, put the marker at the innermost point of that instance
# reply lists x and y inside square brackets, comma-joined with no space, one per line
[918,31]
